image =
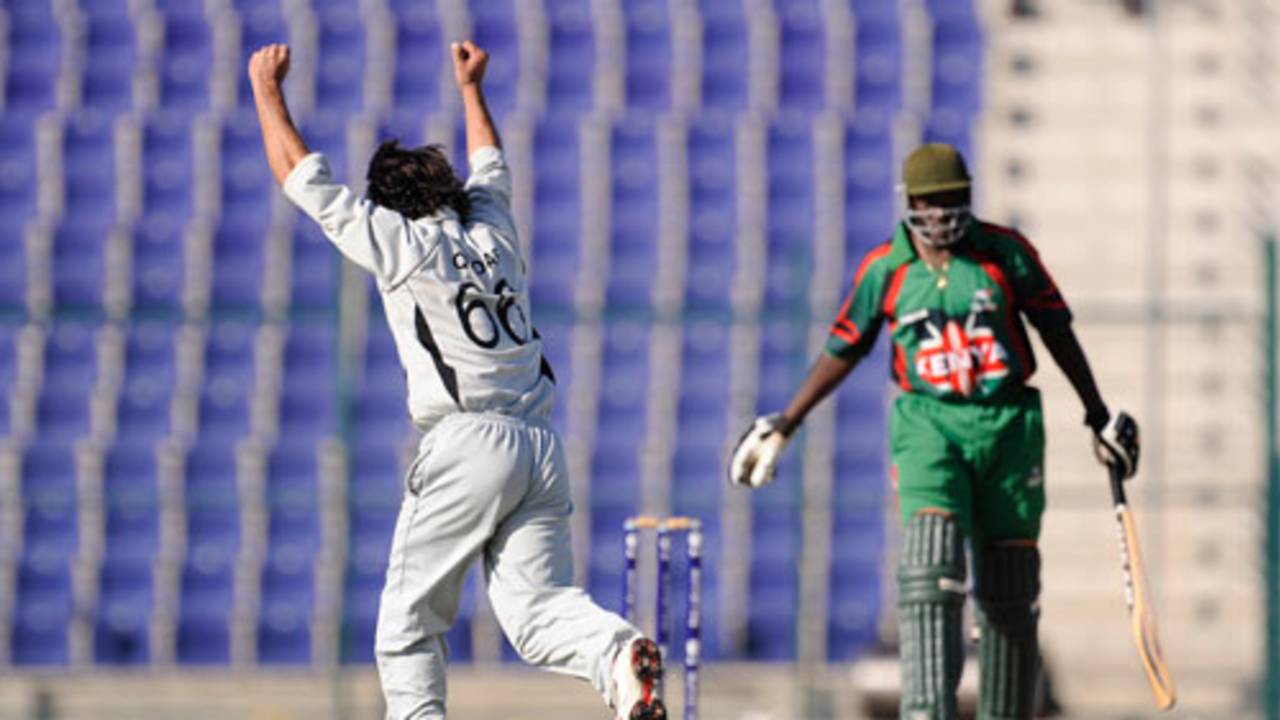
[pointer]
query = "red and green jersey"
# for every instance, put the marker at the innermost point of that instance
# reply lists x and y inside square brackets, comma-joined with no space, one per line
[957,332]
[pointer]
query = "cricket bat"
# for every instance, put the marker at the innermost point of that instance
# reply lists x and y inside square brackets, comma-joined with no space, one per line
[1142,617]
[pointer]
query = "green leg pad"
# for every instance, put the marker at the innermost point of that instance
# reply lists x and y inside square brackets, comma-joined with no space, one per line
[931,593]
[1009,659]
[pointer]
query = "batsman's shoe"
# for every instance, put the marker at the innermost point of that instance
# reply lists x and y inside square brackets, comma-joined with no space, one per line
[636,673]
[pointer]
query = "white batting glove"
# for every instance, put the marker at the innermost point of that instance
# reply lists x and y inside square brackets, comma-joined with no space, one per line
[755,459]
[1116,443]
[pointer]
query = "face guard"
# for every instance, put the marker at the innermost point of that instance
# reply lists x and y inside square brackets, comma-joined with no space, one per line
[938,226]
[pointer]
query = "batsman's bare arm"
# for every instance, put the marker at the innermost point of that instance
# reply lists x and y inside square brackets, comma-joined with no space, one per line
[1067,353]
[285,148]
[469,63]
[826,375]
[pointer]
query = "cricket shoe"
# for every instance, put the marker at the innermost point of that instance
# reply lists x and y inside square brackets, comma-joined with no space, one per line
[636,673]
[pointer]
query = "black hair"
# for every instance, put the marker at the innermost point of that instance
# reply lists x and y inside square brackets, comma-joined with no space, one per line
[414,182]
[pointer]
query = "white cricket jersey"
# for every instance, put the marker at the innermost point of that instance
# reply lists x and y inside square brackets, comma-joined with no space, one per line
[455,292]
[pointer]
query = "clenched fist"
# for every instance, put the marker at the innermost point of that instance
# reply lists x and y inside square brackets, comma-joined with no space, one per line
[468,63]
[269,65]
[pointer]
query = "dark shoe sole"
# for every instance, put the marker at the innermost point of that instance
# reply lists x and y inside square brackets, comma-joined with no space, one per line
[646,663]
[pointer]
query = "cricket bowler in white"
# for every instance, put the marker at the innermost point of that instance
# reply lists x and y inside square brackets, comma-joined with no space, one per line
[490,478]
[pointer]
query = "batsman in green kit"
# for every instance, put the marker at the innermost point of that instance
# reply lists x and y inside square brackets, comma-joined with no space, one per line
[966,433]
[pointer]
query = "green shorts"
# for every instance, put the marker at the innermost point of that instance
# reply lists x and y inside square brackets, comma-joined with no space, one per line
[983,463]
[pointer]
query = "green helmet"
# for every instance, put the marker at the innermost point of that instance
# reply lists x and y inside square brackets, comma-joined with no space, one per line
[934,168]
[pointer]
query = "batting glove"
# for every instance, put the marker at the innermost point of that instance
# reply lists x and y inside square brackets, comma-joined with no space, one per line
[756,457]
[1116,444]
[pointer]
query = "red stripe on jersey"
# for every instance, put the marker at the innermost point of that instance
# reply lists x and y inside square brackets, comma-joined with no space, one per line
[900,367]
[895,287]
[843,313]
[845,334]
[876,253]
[996,273]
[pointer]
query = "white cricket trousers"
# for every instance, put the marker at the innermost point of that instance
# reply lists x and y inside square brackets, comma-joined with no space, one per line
[497,486]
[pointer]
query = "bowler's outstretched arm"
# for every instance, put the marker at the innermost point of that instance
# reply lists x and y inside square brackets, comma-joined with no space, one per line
[284,146]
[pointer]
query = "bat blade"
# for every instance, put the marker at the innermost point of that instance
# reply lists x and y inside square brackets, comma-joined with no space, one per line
[1142,619]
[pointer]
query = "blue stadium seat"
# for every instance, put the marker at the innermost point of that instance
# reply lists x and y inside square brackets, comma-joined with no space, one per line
[624,385]
[8,359]
[777,523]
[293,500]
[604,572]
[341,57]
[635,214]
[615,471]
[111,53]
[712,215]
[879,57]
[246,182]
[361,591]
[725,52]
[789,240]
[143,408]
[853,609]
[957,57]
[238,260]
[186,56]
[123,613]
[801,56]
[308,403]
[211,501]
[648,60]
[34,56]
[783,360]
[17,181]
[62,415]
[158,266]
[62,408]
[79,263]
[43,606]
[131,497]
[419,51]
[381,414]
[315,275]
[326,132]
[262,22]
[869,181]
[150,350]
[771,618]
[49,497]
[287,603]
[555,261]
[167,162]
[950,125]
[206,605]
[89,166]
[13,269]
[557,217]
[697,471]
[374,494]
[493,27]
[228,382]
[570,56]
[406,125]
[698,474]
